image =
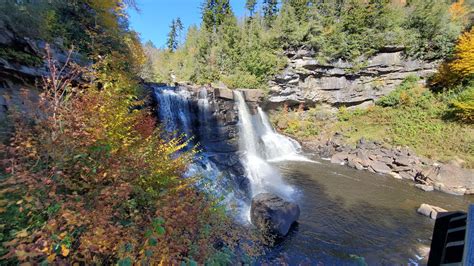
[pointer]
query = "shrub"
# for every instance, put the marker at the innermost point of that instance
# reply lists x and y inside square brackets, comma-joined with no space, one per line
[400,95]
[463,105]
[463,63]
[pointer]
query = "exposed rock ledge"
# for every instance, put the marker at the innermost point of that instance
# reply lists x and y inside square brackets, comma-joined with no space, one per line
[401,163]
[305,80]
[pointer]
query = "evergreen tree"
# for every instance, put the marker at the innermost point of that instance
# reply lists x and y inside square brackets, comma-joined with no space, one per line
[214,13]
[171,43]
[173,36]
[301,8]
[270,11]
[250,5]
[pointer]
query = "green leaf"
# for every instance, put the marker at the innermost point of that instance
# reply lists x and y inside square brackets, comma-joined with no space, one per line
[148,253]
[152,241]
[125,262]
[160,230]
[148,233]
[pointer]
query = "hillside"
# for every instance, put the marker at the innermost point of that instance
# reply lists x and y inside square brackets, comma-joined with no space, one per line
[212,149]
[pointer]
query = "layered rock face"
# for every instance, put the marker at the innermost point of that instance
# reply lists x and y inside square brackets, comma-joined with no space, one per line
[307,81]
[211,117]
[20,77]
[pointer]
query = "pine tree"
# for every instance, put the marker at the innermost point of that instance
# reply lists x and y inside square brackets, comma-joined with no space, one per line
[301,8]
[270,11]
[250,5]
[171,43]
[214,13]
[179,29]
[173,36]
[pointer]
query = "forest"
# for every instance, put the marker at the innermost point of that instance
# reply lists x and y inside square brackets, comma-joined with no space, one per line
[90,177]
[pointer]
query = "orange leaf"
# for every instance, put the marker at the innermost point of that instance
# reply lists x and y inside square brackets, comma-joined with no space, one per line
[64,250]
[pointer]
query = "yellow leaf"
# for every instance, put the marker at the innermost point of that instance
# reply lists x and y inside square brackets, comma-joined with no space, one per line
[22,233]
[51,257]
[64,250]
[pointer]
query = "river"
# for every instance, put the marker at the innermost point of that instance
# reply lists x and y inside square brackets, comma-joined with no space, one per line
[349,217]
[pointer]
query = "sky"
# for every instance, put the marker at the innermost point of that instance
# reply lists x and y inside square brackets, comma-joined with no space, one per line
[155,16]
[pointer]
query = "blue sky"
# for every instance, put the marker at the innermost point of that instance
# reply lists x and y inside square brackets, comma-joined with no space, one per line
[154,18]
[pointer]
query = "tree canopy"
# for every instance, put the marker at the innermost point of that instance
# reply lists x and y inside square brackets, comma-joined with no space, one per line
[247,52]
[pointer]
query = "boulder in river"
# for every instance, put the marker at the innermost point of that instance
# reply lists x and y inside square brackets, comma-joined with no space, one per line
[273,215]
[430,211]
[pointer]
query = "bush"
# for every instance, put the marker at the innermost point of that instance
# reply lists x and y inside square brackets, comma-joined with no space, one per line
[402,95]
[463,105]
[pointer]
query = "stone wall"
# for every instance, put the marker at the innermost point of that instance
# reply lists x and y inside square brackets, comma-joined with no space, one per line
[305,80]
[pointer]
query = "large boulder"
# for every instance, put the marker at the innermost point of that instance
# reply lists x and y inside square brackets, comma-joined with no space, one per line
[253,95]
[380,167]
[224,93]
[430,211]
[451,179]
[272,215]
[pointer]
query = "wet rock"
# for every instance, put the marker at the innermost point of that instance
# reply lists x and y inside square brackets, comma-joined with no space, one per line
[364,159]
[386,160]
[402,161]
[430,211]
[426,188]
[407,175]
[450,179]
[396,175]
[272,215]
[358,165]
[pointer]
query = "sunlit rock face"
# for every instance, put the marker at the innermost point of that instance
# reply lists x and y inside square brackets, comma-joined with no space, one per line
[273,215]
[340,83]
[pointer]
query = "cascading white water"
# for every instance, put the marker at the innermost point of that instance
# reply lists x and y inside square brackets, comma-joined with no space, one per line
[179,114]
[278,147]
[174,110]
[262,175]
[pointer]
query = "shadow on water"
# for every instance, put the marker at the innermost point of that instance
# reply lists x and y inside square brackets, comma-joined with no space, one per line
[349,217]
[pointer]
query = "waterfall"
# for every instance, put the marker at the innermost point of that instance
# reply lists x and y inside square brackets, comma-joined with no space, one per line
[278,147]
[183,111]
[177,116]
[262,175]
[174,110]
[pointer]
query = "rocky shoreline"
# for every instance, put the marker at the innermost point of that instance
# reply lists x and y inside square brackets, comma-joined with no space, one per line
[399,162]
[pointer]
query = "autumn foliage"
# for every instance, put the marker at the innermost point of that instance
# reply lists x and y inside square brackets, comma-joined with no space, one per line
[463,63]
[88,178]
[95,182]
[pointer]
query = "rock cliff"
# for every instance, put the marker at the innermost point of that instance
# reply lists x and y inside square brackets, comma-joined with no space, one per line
[307,81]
[216,130]
[22,67]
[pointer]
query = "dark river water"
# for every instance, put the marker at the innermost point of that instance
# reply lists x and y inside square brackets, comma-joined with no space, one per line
[351,217]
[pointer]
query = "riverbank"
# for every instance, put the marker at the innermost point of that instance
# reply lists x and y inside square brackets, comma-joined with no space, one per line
[366,140]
